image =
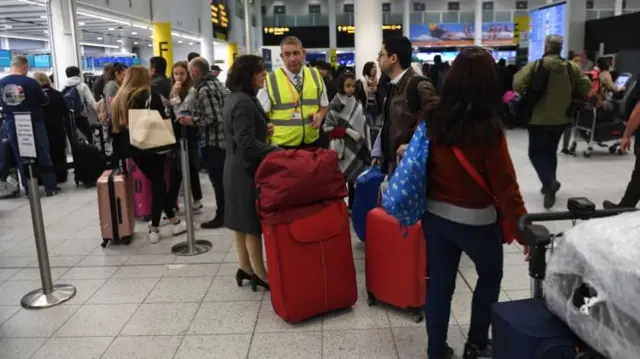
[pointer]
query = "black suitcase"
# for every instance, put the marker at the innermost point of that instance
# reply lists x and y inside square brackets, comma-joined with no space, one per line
[88,160]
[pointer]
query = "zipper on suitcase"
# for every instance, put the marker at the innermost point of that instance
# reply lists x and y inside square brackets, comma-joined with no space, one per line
[114,206]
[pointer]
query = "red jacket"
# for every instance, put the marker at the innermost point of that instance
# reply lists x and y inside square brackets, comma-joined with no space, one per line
[449,182]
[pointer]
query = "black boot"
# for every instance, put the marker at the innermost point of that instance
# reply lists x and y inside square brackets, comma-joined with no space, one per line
[550,194]
[474,352]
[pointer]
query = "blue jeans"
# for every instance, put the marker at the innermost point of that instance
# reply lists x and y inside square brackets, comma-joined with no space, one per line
[446,240]
[42,149]
[543,151]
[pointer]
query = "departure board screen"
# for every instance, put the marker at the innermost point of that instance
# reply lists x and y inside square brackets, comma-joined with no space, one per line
[544,21]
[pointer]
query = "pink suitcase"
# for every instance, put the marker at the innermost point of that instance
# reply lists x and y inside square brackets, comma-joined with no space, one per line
[142,189]
[115,207]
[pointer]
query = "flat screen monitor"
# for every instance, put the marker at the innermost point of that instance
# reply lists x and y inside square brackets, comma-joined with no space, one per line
[544,21]
[5,58]
[42,61]
[622,80]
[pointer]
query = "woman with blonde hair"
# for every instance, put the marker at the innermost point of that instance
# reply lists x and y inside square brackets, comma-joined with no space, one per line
[135,93]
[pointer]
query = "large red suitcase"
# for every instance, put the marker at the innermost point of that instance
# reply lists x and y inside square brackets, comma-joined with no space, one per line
[310,260]
[396,263]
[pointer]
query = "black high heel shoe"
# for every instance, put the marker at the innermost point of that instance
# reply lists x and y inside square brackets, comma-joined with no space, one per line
[257,282]
[241,276]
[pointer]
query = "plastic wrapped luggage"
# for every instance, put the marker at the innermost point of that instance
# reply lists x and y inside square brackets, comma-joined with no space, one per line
[367,189]
[115,207]
[310,260]
[396,263]
[591,284]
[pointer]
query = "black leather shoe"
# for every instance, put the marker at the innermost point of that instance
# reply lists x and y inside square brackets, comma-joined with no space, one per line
[241,276]
[609,205]
[257,282]
[213,224]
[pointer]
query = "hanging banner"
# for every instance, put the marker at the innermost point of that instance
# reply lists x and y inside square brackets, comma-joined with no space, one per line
[460,34]
[521,31]
[163,43]
[268,63]
[333,58]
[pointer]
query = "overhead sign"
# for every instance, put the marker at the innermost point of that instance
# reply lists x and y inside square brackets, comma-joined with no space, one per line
[352,29]
[219,15]
[276,30]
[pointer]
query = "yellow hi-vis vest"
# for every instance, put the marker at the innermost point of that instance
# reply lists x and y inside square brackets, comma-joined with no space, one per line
[285,102]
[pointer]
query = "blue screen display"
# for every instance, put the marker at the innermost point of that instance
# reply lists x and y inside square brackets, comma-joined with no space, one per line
[5,58]
[548,20]
[42,61]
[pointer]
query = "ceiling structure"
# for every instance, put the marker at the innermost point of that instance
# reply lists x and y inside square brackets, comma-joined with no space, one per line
[27,19]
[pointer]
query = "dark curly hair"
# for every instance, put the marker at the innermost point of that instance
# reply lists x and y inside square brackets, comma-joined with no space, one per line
[241,73]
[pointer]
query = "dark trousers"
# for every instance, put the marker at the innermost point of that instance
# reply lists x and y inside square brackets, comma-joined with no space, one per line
[153,168]
[543,151]
[446,240]
[176,177]
[213,158]
[632,194]
[352,193]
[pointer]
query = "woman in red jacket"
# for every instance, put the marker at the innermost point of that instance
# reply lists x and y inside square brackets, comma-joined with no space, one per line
[461,216]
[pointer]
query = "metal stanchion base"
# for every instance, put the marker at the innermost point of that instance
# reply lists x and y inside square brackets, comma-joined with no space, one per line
[199,246]
[38,300]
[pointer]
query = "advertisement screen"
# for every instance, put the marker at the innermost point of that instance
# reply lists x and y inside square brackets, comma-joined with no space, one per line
[42,61]
[544,21]
[452,34]
[5,58]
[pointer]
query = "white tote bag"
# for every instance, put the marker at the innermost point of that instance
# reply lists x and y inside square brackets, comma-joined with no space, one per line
[148,130]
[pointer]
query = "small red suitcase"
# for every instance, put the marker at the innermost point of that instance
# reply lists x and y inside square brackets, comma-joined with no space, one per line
[396,263]
[310,259]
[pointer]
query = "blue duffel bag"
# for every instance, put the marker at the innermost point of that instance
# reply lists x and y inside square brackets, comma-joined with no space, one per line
[526,329]
[367,190]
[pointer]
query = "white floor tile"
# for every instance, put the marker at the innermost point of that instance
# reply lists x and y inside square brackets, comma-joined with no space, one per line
[363,344]
[98,320]
[161,319]
[287,345]
[229,318]
[180,290]
[19,348]
[73,348]
[163,347]
[124,290]
[37,323]
[224,346]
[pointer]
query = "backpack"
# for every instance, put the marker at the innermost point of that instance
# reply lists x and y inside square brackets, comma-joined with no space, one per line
[73,100]
[594,75]
[534,92]
[413,96]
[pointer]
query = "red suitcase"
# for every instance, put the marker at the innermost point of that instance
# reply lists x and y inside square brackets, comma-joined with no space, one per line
[396,263]
[310,260]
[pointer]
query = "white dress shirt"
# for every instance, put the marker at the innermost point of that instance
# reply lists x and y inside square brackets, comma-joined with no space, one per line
[265,101]
[397,79]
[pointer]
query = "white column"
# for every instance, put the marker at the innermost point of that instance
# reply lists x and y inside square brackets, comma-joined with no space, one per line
[617,7]
[577,16]
[477,38]
[63,25]
[368,27]
[126,46]
[333,37]
[406,17]
[257,9]
[248,34]
[206,32]
[4,43]
[235,23]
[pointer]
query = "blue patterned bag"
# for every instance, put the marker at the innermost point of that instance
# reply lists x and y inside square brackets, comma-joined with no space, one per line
[405,198]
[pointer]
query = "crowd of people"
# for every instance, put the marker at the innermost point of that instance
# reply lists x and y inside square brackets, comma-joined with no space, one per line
[367,119]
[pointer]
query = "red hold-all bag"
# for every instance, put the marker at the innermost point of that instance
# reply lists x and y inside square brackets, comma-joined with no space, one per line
[310,259]
[296,178]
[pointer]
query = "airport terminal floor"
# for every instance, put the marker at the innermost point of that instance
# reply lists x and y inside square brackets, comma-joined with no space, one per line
[140,301]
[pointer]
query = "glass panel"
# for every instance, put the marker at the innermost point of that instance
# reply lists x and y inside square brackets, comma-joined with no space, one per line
[416,18]
[605,13]
[432,17]
[467,17]
[520,13]
[269,21]
[253,20]
[290,20]
[487,16]
[394,19]
[592,14]
[344,19]
[320,20]
[303,20]
[450,16]
[503,16]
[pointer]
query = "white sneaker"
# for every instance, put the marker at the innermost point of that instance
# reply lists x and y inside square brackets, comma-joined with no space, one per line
[179,228]
[198,209]
[154,237]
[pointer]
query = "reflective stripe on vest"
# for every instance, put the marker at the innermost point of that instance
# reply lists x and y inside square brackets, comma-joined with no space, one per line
[287,130]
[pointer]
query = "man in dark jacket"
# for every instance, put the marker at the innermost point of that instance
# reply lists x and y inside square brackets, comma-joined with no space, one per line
[98,87]
[399,122]
[323,68]
[160,84]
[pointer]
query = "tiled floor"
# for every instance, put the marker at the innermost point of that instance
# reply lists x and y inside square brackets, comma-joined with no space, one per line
[140,301]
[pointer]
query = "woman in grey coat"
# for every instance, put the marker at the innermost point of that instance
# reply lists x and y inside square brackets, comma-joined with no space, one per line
[247,131]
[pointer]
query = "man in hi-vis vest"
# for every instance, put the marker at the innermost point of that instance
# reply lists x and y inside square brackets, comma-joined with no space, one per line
[295,99]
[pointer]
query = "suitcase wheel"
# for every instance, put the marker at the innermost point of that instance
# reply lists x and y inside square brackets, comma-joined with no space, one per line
[418,315]
[371,299]
[104,243]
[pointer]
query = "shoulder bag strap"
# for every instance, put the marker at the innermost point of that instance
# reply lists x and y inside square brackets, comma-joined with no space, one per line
[472,172]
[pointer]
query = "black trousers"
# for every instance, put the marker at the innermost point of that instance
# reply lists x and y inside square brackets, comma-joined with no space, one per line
[213,158]
[83,125]
[632,194]
[153,167]
[543,151]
